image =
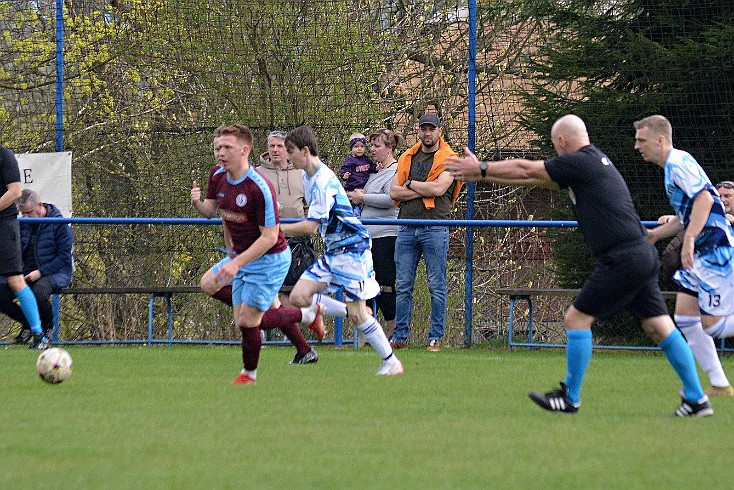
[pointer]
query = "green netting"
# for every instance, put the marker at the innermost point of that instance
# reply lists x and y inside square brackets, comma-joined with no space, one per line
[146,82]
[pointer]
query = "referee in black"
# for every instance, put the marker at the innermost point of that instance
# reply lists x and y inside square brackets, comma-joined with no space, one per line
[11,264]
[626,275]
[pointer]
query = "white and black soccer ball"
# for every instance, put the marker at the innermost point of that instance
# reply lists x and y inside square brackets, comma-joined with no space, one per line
[54,365]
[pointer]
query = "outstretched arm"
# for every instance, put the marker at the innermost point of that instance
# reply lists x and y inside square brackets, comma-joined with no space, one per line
[305,227]
[669,226]
[519,172]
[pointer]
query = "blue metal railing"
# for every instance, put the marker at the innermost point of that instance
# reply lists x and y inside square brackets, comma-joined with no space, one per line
[338,340]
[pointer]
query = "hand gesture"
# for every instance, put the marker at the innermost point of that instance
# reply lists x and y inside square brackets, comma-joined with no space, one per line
[464,168]
[195,193]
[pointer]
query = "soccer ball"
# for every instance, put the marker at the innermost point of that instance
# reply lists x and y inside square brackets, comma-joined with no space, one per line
[54,365]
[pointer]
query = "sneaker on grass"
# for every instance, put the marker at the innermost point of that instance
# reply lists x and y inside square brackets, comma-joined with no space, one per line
[391,367]
[701,408]
[434,345]
[720,391]
[243,379]
[309,357]
[40,342]
[555,401]
[398,344]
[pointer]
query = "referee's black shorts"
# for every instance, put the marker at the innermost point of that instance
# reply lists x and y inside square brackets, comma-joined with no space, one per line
[11,260]
[625,278]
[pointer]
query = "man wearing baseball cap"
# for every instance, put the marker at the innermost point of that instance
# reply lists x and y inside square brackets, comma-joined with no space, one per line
[423,189]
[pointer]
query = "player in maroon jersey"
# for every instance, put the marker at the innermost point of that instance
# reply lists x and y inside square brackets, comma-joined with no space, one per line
[260,256]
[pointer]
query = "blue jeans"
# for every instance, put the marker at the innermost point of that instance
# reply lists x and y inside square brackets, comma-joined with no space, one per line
[432,243]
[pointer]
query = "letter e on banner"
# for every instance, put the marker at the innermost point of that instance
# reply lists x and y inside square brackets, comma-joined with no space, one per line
[49,174]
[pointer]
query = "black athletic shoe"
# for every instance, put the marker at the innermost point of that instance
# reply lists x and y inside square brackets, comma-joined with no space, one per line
[23,337]
[701,408]
[309,357]
[40,342]
[555,401]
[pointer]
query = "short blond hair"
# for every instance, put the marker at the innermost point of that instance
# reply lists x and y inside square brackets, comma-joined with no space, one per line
[658,125]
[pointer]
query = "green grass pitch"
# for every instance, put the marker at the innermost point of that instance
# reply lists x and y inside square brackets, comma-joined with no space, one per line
[134,417]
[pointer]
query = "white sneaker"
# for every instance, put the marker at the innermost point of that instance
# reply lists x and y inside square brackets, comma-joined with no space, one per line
[391,368]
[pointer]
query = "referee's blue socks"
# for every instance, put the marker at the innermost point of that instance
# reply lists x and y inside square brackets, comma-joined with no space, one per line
[30,308]
[679,354]
[578,356]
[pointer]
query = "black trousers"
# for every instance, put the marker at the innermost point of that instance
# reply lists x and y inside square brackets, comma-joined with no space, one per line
[383,261]
[42,290]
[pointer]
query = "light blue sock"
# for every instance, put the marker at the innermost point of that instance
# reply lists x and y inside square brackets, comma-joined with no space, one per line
[30,308]
[578,356]
[680,357]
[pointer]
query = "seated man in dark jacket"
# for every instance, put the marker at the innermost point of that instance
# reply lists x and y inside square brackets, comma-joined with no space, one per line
[47,263]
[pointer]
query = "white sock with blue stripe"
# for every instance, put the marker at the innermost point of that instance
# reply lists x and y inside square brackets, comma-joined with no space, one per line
[703,348]
[723,329]
[376,337]
[333,307]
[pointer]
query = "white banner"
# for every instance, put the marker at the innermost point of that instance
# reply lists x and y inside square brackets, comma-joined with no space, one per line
[49,174]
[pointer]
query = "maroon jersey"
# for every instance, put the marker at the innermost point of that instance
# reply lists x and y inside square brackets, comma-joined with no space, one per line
[245,206]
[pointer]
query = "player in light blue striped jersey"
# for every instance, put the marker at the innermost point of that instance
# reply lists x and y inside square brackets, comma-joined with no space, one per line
[706,277]
[347,260]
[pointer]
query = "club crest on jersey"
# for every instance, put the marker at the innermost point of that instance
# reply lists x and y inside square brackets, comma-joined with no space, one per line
[241,200]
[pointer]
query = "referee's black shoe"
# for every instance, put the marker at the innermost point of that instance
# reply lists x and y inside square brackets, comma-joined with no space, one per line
[701,408]
[555,401]
[40,342]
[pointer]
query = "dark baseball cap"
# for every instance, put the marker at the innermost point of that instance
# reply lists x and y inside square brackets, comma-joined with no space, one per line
[429,118]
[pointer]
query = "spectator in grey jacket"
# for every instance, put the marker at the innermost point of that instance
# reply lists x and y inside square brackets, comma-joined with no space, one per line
[376,202]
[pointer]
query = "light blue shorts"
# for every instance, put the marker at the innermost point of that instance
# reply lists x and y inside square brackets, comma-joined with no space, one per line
[257,284]
[353,272]
[712,277]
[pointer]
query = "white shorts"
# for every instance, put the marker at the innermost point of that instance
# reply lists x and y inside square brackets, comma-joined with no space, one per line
[712,277]
[353,272]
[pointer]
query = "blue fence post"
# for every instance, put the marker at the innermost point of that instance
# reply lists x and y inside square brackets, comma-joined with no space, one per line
[59,75]
[56,306]
[469,240]
[150,320]
[170,318]
[338,324]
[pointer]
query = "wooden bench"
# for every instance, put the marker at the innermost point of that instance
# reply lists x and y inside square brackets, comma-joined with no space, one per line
[526,294]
